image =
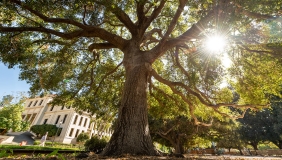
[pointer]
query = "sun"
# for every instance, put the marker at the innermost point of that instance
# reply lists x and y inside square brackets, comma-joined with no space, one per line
[215,43]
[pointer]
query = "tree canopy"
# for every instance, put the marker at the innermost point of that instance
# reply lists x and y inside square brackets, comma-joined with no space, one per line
[76,49]
[263,126]
[11,115]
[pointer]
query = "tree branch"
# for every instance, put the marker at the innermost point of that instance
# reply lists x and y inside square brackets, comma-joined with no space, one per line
[172,85]
[257,15]
[100,46]
[47,19]
[175,19]
[155,13]
[122,16]
[77,33]
[190,34]
[105,76]
[244,47]
[115,40]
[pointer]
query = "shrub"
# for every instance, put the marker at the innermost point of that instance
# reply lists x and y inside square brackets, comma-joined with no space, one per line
[95,144]
[82,137]
[42,129]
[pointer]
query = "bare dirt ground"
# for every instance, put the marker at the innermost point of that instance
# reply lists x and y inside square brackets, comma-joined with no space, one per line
[92,156]
[202,157]
[187,157]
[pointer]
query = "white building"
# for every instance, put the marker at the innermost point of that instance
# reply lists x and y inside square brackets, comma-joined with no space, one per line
[39,111]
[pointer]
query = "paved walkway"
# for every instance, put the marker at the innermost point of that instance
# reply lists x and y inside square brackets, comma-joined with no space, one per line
[22,136]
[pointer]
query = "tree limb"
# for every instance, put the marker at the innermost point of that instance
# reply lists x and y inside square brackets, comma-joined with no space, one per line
[47,19]
[175,19]
[105,76]
[100,46]
[122,16]
[155,13]
[172,85]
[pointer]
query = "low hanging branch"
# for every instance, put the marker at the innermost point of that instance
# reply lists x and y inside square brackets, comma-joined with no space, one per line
[198,95]
[173,86]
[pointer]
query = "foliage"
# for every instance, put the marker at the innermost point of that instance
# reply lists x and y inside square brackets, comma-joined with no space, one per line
[95,144]
[82,137]
[55,153]
[43,128]
[253,127]
[263,125]
[6,100]
[4,153]
[178,133]
[11,115]
[224,134]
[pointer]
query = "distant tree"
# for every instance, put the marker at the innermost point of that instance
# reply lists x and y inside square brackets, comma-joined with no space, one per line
[6,100]
[253,128]
[229,137]
[263,125]
[177,132]
[273,122]
[11,115]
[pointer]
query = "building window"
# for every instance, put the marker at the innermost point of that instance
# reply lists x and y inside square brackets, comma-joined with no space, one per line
[65,117]
[58,118]
[23,116]
[59,131]
[85,122]
[40,102]
[71,132]
[29,104]
[75,119]
[81,119]
[68,107]
[89,125]
[62,107]
[33,117]
[45,121]
[27,117]
[35,103]
[76,134]
[52,107]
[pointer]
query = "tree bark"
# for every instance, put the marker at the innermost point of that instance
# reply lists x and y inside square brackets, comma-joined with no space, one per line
[131,134]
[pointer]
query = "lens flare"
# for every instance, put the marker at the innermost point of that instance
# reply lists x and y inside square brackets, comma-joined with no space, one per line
[215,43]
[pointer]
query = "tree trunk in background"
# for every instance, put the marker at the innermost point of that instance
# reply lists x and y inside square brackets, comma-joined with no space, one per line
[254,145]
[131,134]
[178,146]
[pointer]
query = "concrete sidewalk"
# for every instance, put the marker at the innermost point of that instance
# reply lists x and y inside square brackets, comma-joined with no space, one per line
[21,136]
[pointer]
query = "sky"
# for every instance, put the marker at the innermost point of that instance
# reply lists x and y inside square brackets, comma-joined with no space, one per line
[10,83]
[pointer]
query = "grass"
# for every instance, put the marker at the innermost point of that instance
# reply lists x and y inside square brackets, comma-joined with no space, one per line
[9,151]
[35,147]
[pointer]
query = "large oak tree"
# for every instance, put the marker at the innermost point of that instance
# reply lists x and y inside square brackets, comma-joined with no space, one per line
[75,49]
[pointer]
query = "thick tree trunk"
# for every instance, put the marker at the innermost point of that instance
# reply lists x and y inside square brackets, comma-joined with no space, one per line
[131,134]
